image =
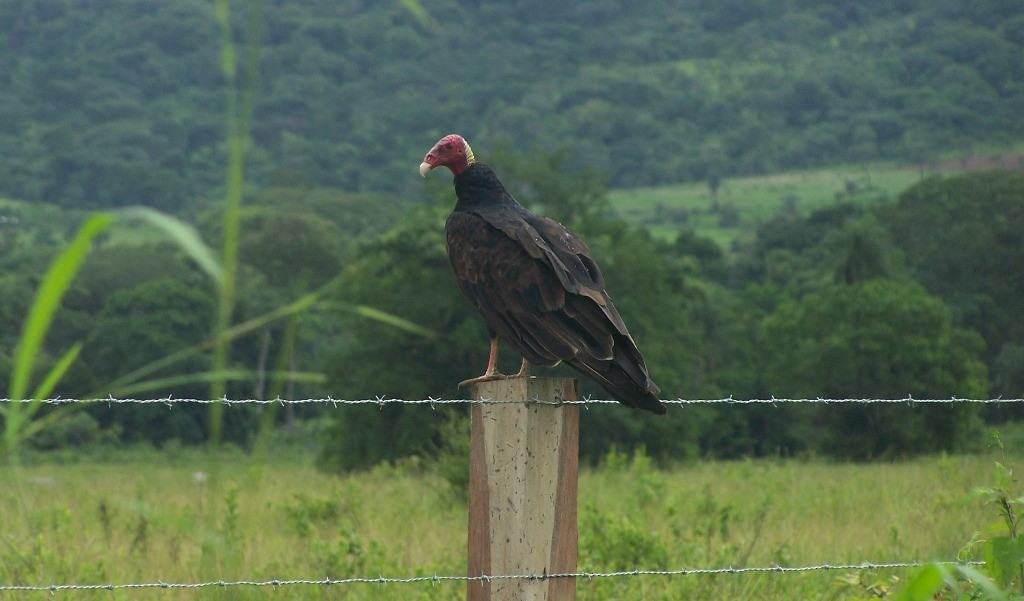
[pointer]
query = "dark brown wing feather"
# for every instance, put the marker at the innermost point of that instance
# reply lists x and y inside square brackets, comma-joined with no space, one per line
[540,291]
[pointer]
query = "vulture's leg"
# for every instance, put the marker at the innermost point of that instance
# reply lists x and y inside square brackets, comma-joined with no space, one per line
[524,370]
[492,367]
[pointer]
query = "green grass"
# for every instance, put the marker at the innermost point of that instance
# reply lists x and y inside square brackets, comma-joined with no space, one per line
[188,516]
[667,210]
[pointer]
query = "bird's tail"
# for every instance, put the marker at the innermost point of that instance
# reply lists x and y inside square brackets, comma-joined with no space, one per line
[624,376]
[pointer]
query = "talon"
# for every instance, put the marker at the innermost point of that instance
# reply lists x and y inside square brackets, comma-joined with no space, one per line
[491,373]
[487,377]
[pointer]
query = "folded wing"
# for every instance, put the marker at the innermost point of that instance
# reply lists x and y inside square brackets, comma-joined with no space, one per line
[541,292]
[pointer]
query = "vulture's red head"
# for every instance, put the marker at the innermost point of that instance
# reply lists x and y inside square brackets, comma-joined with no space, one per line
[451,151]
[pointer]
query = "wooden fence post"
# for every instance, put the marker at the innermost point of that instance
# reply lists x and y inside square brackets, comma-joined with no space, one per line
[523,468]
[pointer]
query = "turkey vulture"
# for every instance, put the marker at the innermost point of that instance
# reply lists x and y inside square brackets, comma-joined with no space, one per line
[535,284]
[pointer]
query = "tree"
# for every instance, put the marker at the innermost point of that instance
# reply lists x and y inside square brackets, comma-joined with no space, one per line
[137,326]
[862,250]
[714,181]
[405,273]
[963,239]
[295,251]
[101,103]
[877,339]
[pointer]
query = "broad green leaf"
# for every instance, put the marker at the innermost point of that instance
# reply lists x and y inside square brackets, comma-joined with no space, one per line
[997,527]
[183,234]
[922,586]
[1003,557]
[982,491]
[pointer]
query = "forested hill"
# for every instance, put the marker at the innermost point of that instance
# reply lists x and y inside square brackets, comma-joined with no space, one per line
[113,102]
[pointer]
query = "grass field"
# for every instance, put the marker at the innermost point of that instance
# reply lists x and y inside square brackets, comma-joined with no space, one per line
[187,516]
[746,202]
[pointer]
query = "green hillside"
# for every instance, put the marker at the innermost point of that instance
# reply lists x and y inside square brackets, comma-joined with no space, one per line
[121,102]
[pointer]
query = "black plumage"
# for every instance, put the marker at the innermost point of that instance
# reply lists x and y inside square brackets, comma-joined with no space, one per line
[537,286]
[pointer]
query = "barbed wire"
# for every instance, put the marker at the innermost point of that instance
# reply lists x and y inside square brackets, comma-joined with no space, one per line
[435,579]
[439,401]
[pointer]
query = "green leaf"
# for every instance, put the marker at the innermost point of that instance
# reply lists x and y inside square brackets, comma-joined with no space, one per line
[222,13]
[922,586]
[56,373]
[211,376]
[984,583]
[1003,556]
[55,283]
[383,317]
[1003,477]
[40,317]
[418,12]
[394,321]
[121,383]
[183,234]
[51,417]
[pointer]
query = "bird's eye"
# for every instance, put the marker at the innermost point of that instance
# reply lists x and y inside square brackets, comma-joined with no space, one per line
[446,147]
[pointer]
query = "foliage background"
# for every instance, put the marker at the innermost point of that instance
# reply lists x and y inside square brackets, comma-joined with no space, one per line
[866,291]
[120,102]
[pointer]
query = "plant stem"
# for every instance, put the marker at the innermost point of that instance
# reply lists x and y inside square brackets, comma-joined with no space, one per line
[239,116]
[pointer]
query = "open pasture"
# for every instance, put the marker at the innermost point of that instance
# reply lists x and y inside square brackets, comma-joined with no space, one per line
[746,202]
[189,516]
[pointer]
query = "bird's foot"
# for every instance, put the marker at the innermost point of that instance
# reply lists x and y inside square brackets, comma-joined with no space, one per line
[524,372]
[487,377]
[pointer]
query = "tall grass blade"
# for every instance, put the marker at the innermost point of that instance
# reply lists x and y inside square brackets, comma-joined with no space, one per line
[51,291]
[56,373]
[231,333]
[418,12]
[183,234]
[380,316]
[393,321]
[233,375]
[40,317]
[239,120]
[282,367]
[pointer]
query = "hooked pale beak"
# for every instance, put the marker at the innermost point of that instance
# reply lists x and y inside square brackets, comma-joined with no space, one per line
[425,168]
